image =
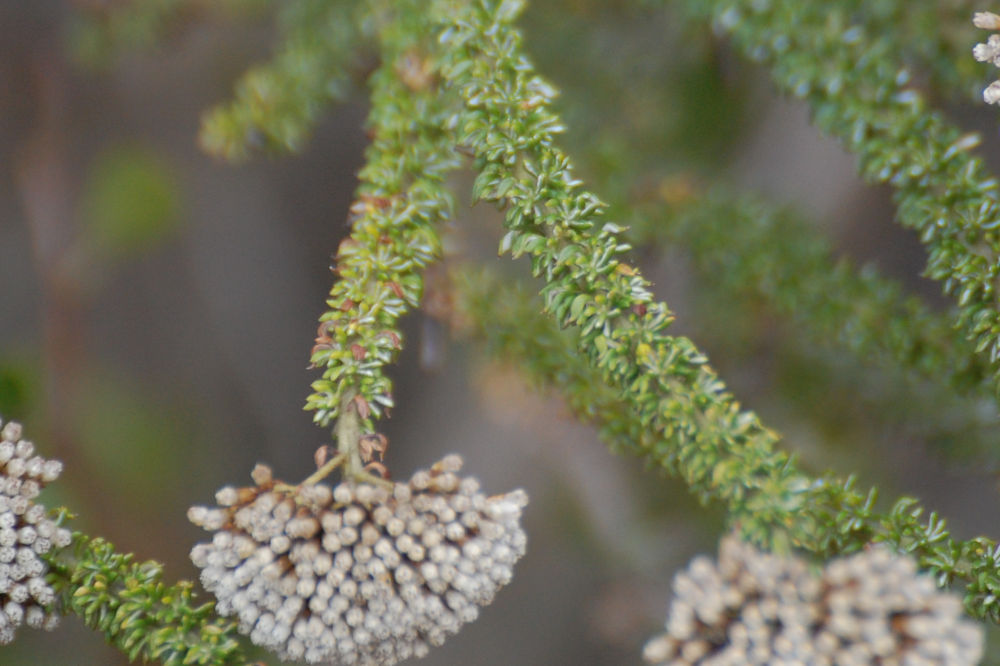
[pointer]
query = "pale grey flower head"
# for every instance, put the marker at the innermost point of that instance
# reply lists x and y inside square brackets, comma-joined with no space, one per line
[758,608]
[988,51]
[986,20]
[358,573]
[26,533]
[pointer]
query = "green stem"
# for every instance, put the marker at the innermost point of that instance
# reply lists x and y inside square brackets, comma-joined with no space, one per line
[324,471]
[401,202]
[348,431]
[847,68]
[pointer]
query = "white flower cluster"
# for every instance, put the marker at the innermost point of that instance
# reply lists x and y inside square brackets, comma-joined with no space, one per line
[757,608]
[358,574]
[25,533]
[988,51]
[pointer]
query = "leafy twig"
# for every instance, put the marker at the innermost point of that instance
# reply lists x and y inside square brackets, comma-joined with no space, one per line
[400,202]
[278,103]
[128,602]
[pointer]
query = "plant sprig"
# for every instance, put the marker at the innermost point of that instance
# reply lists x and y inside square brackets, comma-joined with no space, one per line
[278,103]
[507,125]
[401,202]
[753,249]
[832,517]
[137,612]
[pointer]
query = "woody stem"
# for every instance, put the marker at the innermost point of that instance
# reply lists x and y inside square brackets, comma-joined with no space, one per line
[348,430]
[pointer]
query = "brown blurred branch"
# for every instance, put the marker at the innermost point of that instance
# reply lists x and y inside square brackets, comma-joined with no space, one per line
[44,185]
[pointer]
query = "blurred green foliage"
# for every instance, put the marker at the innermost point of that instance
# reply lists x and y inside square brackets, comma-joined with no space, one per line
[97,34]
[131,201]
[278,103]
[132,440]
[101,32]
[18,388]
[641,92]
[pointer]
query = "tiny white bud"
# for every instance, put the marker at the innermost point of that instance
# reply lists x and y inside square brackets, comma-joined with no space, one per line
[469,486]
[343,494]
[62,537]
[281,544]
[24,449]
[227,496]
[20,504]
[30,489]
[421,479]
[11,432]
[991,95]
[369,534]
[331,521]
[322,563]
[455,531]
[15,468]
[261,475]
[302,528]
[986,20]
[364,493]
[19,593]
[347,535]
[402,492]
[34,466]
[395,527]
[197,514]
[27,535]
[36,516]
[51,470]
[354,515]
[343,560]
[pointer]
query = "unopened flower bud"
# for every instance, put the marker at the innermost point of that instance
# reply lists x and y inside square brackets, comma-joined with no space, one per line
[375,577]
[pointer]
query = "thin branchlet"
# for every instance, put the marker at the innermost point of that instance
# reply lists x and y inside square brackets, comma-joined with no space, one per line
[277,104]
[128,602]
[550,217]
[400,204]
[748,249]
[509,321]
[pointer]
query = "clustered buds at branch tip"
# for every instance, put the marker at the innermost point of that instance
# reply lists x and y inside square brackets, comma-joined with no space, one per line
[988,51]
[760,608]
[358,573]
[986,21]
[26,533]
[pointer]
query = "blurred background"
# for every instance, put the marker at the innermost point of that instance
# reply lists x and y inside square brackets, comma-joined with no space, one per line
[157,309]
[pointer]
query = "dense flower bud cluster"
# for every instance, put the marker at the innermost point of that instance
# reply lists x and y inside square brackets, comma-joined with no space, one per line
[359,573]
[989,51]
[758,608]
[25,533]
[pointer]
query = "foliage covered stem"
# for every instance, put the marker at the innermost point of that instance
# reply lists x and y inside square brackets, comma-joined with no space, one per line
[400,202]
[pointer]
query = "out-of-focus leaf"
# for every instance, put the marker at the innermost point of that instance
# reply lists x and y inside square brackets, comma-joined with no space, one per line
[15,390]
[100,33]
[131,201]
[132,439]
